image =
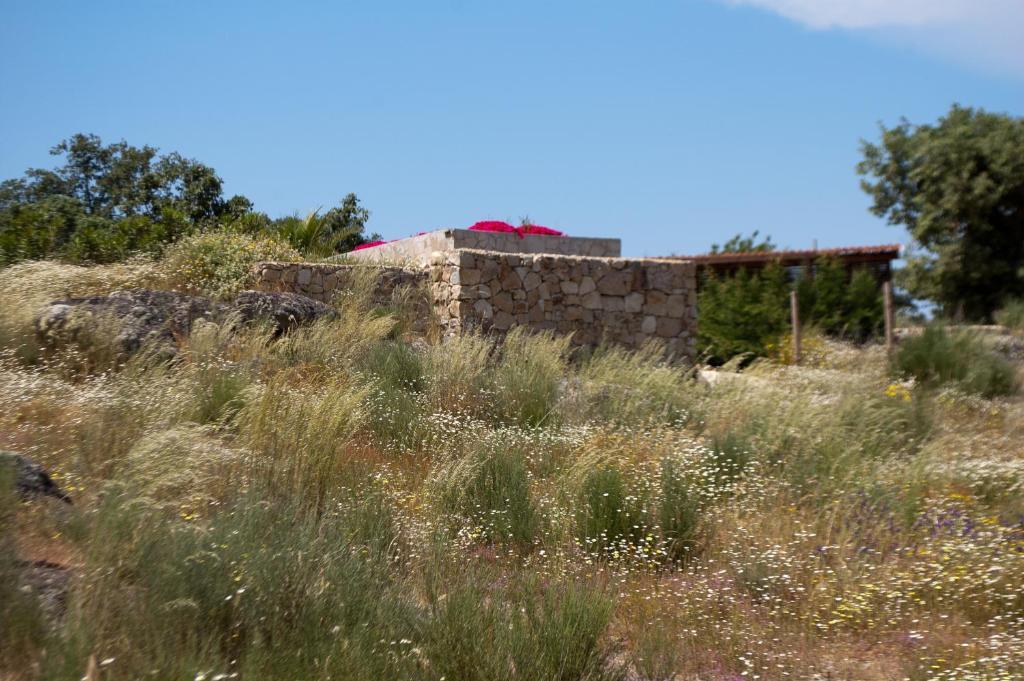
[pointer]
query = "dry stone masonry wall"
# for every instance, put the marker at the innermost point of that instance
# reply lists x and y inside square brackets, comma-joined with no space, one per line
[622,300]
[321,281]
[626,301]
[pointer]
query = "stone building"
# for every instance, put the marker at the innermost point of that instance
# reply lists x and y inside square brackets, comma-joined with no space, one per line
[494,282]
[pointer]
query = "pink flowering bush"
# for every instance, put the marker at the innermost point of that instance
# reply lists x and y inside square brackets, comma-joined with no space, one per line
[369,244]
[493,226]
[486,226]
[538,229]
[504,227]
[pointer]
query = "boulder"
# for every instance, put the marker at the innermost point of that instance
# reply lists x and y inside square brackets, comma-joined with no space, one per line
[143,317]
[30,479]
[48,582]
[284,310]
[136,317]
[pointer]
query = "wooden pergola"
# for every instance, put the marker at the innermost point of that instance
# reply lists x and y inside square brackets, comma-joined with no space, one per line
[876,259]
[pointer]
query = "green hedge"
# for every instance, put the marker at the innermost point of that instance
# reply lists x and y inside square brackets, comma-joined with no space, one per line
[749,311]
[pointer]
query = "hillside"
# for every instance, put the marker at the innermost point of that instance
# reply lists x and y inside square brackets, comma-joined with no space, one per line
[351,500]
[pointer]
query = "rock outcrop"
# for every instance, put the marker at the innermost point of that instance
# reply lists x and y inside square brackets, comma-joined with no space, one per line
[284,310]
[30,479]
[128,319]
[132,319]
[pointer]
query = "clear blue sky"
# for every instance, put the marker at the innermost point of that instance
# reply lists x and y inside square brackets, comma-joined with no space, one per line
[669,124]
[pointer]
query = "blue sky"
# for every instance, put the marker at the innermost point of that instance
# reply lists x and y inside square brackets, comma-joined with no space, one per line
[672,125]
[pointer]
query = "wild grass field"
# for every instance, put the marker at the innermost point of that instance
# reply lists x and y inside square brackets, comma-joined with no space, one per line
[353,502]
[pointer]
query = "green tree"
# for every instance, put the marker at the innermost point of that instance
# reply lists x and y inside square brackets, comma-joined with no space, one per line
[749,311]
[742,244]
[348,222]
[118,180]
[743,313]
[106,201]
[958,187]
[338,230]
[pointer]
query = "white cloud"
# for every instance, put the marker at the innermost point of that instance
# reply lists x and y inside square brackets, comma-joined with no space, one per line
[979,32]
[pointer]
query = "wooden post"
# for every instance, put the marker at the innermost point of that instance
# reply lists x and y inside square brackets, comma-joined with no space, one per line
[794,313]
[890,339]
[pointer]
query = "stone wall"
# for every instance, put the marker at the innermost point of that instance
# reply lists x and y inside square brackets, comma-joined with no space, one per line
[418,249]
[321,281]
[622,300]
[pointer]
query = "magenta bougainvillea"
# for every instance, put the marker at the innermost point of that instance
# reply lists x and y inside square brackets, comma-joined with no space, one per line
[498,226]
[538,229]
[493,226]
[369,244]
[487,226]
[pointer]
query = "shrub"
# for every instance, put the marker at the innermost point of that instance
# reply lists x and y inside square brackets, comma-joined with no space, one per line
[863,312]
[840,304]
[98,240]
[961,358]
[35,232]
[219,264]
[748,312]
[1011,315]
[814,348]
[59,227]
[743,313]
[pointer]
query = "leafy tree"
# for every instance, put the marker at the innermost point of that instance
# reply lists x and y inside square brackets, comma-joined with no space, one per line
[749,311]
[743,313]
[106,201]
[348,222]
[742,244]
[339,230]
[958,187]
[823,295]
[118,180]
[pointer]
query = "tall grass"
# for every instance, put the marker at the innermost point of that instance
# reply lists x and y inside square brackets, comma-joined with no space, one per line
[26,287]
[609,507]
[456,374]
[526,630]
[22,624]
[526,376]
[960,358]
[334,345]
[395,373]
[234,596]
[624,386]
[351,501]
[487,491]
[1011,315]
[679,510]
[298,437]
